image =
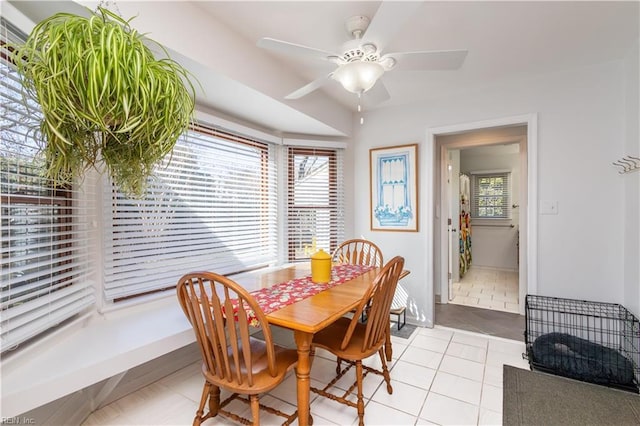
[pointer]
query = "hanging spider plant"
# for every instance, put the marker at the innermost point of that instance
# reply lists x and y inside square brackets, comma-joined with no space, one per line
[104,97]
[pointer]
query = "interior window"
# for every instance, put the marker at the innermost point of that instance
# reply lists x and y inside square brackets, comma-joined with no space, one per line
[491,195]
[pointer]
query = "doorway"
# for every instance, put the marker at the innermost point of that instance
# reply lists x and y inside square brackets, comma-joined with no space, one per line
[483,199]
[519,130]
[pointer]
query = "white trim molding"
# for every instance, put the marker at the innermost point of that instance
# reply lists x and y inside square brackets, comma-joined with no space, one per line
[528,267]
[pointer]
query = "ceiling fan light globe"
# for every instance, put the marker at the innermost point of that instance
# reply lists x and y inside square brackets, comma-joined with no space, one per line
[358,76]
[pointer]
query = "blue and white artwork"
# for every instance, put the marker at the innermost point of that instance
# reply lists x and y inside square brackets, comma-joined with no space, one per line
[393,188]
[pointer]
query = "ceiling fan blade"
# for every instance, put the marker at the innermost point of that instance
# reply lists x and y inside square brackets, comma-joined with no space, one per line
[377,94]
[389,18]
[305,90]
[428,60]
[293,49]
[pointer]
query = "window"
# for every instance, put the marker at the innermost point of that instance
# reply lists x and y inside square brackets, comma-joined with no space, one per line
[44,268]
[315,201]
[211,206]
[491,195]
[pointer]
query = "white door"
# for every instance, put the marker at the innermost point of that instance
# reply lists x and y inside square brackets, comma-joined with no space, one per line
[453,221]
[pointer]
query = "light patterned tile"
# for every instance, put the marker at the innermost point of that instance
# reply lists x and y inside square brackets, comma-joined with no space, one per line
[467,301]
[187,381]
[287,390]
[430,343]
[511,347]
[412,374]
[398,347]
[406,398]
[471,353]
[379,414]
[499,359]
[492,304]
[512,307]
[485,298]
[459,299]
[157,405]
[503,297]
[457,387]
[370,383]
[473,339]
[462,367]
[423,422]
[437,332]
[333,411]
[452,399]
[323,370]
[476,291]
[214,421]
[267,418]
[423,357]
[493,375]
[490,418]
[108,415]
[491,397]
[443,410]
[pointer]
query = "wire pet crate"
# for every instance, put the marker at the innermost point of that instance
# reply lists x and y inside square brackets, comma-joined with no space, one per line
[589,341]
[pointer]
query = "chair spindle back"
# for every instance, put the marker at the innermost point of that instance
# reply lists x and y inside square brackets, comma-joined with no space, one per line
[377,300]
[358,252]
[217,308]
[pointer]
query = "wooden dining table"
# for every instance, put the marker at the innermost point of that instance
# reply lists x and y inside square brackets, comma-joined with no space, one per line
[308,316]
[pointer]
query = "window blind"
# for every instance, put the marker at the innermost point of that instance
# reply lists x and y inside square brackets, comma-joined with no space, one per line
[490,197]
[211,206]
[45,272]
[315,201]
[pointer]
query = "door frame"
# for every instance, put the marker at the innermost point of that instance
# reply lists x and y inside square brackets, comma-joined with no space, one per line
[433,161]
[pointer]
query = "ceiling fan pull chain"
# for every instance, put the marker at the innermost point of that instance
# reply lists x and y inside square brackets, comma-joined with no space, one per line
[360,107]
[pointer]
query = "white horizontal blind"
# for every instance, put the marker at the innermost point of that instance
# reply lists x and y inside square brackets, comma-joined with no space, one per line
[490,197]
[211,206]
[45,272]
[315,201]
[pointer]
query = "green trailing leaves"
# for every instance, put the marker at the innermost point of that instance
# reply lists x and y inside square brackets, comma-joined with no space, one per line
[104,97]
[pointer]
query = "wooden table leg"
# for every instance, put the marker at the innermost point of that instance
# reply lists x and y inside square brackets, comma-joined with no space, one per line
[303,342]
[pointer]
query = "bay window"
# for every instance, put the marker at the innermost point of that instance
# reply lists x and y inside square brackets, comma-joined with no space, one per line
[45,272]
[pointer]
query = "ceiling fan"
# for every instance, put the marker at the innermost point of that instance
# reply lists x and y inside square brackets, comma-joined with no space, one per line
[363,60]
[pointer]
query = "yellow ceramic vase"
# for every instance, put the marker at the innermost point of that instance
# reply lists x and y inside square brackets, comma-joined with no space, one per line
[320,267]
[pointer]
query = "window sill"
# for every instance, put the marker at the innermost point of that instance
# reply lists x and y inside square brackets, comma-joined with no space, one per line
[94,350]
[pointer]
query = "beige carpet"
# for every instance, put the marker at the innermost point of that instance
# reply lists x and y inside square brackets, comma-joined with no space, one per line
[535,398]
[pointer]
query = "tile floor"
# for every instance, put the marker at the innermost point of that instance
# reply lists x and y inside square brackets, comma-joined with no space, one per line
[488,288]
[440,376]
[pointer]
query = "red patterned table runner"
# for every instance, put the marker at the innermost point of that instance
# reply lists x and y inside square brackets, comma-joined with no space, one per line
[280,295]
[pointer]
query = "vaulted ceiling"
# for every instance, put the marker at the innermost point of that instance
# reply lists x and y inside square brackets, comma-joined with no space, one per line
[217,40]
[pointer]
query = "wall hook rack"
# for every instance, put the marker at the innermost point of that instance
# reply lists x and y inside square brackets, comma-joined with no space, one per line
[627,164]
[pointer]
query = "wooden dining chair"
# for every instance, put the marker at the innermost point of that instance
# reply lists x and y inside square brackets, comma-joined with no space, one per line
[352,341]
[358,252]
[218,308]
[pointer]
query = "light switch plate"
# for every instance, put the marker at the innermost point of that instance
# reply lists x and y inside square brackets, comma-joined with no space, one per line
[548,207]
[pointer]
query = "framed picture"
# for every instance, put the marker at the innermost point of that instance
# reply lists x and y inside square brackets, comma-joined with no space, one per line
[394,188]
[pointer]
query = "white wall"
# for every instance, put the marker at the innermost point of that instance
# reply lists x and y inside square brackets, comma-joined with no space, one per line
[580,131]
[492,246]
[632,184]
